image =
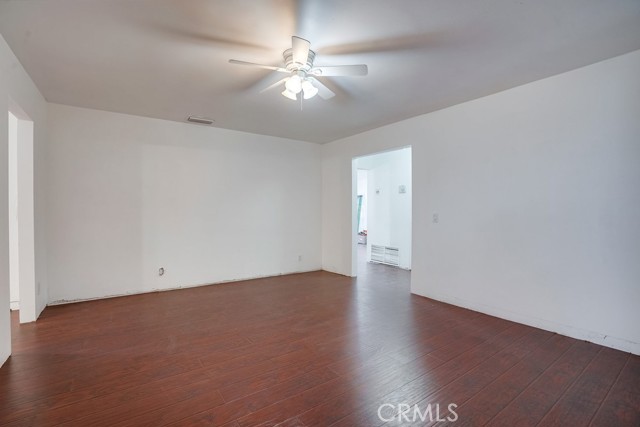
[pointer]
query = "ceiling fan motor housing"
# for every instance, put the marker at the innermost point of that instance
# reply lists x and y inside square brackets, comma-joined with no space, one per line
[295,66]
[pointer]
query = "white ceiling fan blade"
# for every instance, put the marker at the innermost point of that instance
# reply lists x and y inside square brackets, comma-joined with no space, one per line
[341,70]
[251,64]
[323,91]
[300,50]
[278,83]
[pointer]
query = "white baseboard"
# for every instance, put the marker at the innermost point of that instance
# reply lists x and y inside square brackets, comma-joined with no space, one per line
[14,305]
[140,292]
[569,331]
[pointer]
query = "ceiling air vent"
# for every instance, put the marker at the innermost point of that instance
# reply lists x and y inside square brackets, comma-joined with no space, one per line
[200,120]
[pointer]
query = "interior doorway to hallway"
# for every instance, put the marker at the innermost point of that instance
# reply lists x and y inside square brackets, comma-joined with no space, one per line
[22,286]
[382,200]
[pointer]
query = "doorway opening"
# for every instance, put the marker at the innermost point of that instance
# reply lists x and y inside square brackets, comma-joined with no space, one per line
[382,200]
[22,286]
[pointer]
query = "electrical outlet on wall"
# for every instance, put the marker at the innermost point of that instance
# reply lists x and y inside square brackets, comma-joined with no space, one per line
[299,258]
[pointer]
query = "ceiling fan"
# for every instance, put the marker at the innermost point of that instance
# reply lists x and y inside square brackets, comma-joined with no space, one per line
[302,74]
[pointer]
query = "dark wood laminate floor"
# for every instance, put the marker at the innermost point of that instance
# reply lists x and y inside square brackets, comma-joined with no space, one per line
[313,349]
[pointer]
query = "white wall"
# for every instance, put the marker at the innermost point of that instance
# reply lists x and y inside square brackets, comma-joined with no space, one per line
[362,190]
[537,194]
[389,211]
[128,195]
[19,94]
[14,247]
[29,309]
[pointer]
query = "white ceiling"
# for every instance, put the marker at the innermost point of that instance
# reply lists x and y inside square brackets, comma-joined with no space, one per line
[169,58]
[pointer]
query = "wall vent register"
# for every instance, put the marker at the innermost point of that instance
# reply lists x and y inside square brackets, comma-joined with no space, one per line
[385,255]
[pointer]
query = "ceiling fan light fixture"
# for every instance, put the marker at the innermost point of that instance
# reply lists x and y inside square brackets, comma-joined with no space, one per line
[288,94]
[309,90]
[294,84]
